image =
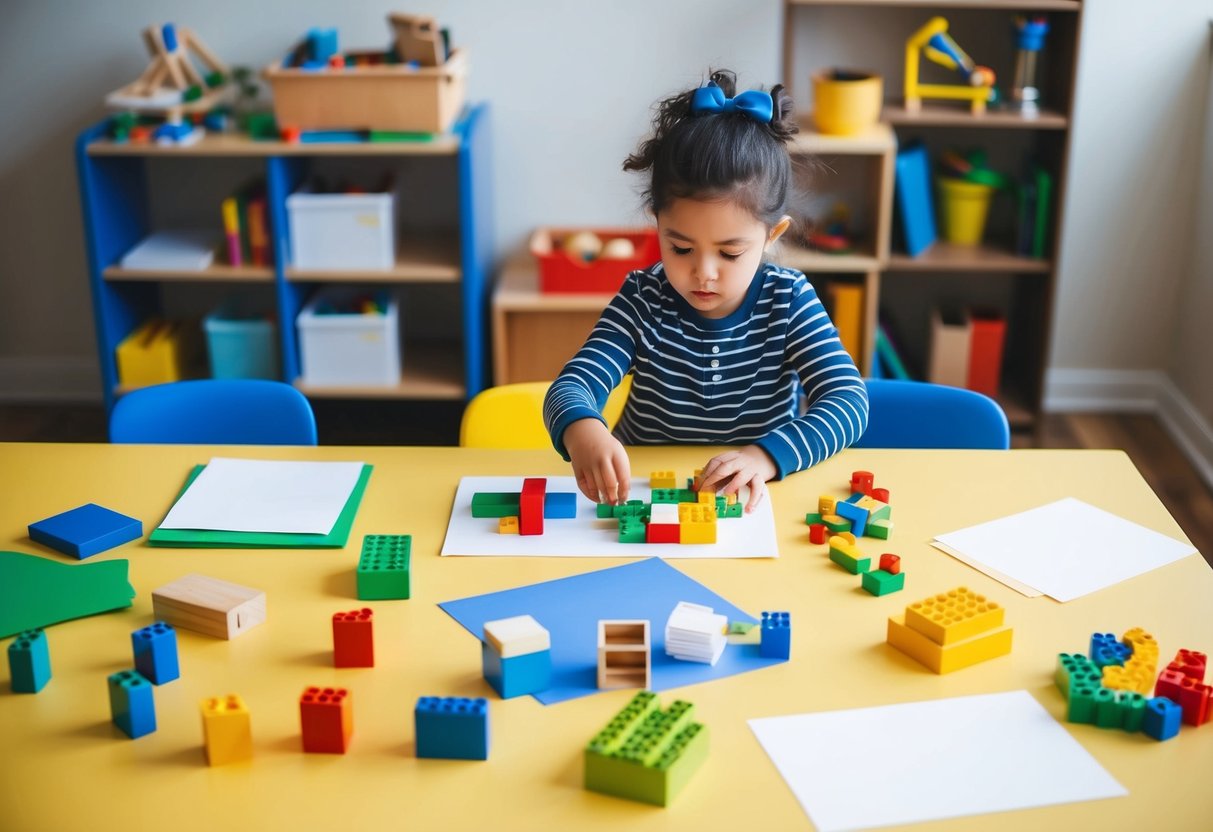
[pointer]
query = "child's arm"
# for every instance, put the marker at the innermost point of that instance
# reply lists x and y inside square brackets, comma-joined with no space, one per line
[600,462]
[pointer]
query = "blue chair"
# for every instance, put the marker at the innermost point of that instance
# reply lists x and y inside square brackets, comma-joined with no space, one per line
[214,412]
[918,414]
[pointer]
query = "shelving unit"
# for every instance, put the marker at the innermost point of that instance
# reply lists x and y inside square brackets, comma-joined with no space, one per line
[869,35]
[116,184]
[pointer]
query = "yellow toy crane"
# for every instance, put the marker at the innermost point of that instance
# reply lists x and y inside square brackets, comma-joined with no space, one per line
[933,41]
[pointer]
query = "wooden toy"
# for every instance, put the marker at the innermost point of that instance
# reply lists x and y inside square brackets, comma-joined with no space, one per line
[210,606]
[623,654]
[933,41]
[516,656]
[417,38]
[171,85]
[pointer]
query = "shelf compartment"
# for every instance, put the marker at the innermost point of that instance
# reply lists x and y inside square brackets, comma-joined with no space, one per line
[810,262]
[225,144]
[940,115]
[419,259]
[217,273]
[945,257]
[430,371]
[875,141]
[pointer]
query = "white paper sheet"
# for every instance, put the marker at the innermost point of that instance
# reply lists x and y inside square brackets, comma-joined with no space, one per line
[585,536]
[1065,549]
[947,758]
[253,495]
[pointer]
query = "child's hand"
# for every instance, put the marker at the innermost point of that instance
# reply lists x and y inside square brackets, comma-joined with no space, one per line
[745,466]
[599,461]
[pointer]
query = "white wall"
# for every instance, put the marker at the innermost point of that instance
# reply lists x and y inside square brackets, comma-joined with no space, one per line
[570,83]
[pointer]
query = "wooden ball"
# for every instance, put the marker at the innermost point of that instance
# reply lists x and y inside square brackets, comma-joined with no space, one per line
[620,248]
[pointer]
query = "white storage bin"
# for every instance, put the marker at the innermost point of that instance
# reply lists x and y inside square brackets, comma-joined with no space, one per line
[342,231]
[349,350]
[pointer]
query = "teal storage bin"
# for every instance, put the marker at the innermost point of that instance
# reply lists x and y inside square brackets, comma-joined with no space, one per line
[241,346]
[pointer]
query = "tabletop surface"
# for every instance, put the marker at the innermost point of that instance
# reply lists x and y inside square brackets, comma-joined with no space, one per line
[67,767]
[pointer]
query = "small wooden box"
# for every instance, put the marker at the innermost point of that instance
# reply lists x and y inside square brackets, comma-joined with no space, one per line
[393,97]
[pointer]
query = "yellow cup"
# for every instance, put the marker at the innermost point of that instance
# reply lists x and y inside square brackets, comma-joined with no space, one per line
[846,103]
[962,208]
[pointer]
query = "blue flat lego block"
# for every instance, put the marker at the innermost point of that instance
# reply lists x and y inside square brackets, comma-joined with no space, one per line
[85,531]
[1162,718]
[155,649]
[858,516]
[29,662]
[559,505]
[452,728]
[131,704]
[517,675]
[776,635]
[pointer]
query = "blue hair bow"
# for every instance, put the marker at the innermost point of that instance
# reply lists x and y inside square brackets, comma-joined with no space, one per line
[753,103]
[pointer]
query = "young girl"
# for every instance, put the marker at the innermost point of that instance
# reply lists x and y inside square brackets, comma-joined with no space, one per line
[719,342]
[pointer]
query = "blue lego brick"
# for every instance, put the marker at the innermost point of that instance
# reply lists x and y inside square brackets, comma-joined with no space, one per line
[131,703]
[155,650]
[86,530]
[858,516]
[776,634]
[517,675]
[29,662]
[452,728]
[1162,718]
[1106,650]
[559,505]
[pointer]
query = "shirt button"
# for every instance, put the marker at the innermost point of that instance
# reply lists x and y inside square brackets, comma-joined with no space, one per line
[716,377]
[715,363]
[715,349]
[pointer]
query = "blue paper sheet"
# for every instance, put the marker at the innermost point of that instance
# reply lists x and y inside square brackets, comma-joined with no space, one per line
[570,609]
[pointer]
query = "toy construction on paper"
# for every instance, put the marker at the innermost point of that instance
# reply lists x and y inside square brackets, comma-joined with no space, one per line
[549,517]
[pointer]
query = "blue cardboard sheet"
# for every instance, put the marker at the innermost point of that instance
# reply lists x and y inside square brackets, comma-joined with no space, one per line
[570,609]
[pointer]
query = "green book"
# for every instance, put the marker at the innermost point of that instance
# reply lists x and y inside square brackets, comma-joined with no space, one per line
[213,539]
[1044,193]
[888,356]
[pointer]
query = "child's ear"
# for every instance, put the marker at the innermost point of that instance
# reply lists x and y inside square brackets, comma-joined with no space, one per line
[778,229]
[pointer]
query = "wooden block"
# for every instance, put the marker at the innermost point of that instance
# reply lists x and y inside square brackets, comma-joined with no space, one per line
[208,605]
[623,654]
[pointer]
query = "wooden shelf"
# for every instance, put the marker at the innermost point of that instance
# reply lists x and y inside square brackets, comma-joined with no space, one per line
[419,259]
[220,272]
[233,144]
[877,140]
[1021,5]
[941,115]
[1019,417]
[809,261]
[518,289]
[945,257]
[429,371]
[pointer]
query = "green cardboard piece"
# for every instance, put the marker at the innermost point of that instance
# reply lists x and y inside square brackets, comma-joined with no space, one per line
[212,539]
[37,591]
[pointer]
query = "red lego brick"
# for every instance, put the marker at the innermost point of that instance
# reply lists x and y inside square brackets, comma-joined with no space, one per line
[862,482]
[818,533]
[661,533]
[326,716]
[881,494]
[1190,663]
[353,639]
[891,564]
[1192,696]
[530,505]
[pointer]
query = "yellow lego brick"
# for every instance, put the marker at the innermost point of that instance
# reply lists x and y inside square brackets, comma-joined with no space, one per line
[662,479]
[730,499]
[949,657]
[507,525]
[1126,678]
[226,730]
[825,505]
[696,523]
[953,615]
[707,498]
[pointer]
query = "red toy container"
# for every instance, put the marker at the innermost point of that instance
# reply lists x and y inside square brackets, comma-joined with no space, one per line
[563,272]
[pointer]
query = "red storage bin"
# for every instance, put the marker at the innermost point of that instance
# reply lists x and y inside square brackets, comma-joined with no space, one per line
[560,271]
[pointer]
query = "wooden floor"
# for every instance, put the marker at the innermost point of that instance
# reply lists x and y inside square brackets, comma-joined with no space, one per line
[1152,450]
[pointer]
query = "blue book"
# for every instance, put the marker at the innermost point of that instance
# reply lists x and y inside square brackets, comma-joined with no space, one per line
[913,198]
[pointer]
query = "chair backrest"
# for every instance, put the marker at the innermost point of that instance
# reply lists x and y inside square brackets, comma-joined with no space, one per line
[918,414]
[214,412]
[511,415]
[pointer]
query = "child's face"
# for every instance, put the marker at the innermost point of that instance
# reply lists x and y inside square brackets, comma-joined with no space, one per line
[711,250]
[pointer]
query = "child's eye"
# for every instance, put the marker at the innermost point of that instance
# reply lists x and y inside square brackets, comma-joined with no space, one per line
[728,256]
[679,250]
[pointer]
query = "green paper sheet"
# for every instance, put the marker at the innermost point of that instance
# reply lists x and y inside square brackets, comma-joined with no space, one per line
[37,591]
[212,539]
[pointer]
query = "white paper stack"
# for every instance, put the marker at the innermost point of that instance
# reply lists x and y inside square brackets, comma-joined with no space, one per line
[694,634]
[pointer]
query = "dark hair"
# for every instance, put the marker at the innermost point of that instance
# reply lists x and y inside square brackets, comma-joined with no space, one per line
[714,155]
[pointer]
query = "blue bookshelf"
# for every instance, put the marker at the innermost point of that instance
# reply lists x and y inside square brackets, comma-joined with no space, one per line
[115,197]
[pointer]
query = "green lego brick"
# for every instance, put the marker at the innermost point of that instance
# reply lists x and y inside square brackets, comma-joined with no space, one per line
[605,511]
[1107,712]
[837,526]
[880,529]
[1075,669]
[383,568]
[728,511]
[495,504]
[664,495]
[634,508]
[812,518]
[740,628]
[631,530]
[646,754]
[879,582]
[1082,704]
[856,566]
[1132,710]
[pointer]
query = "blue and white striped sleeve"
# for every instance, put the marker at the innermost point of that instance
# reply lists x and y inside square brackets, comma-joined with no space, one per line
[837,413]
[582,388]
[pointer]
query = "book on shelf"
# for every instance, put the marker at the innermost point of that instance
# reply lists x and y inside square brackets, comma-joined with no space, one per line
[913,198]
[183,249]
[949,350]
[246,226]
[1034,194]
[889,357]
[987,332]
[846,301]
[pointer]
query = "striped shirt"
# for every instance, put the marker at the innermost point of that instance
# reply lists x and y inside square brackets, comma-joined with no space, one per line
[727,381]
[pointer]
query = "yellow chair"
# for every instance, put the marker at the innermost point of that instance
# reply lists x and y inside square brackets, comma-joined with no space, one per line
[511,415]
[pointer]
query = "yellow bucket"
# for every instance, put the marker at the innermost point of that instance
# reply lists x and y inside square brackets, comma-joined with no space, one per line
[963,207]
[846,103]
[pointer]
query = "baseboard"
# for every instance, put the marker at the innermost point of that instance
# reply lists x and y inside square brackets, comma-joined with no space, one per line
[42,380]
[1135,391]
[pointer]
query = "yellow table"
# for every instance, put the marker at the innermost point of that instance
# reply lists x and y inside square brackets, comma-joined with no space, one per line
[65,767]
